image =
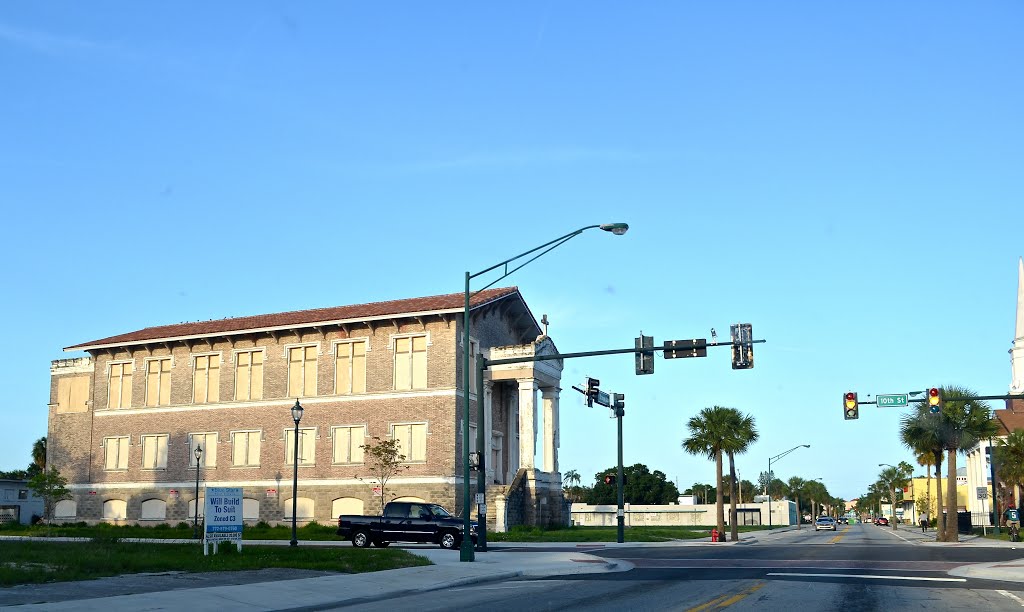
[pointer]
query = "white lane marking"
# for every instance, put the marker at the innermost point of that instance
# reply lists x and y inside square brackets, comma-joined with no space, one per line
[1012,596]
[901,537]
[925,578]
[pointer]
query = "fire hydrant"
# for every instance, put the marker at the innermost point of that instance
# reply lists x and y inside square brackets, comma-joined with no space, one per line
[714,535]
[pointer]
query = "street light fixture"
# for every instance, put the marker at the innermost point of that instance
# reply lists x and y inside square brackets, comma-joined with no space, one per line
[466,552]
[195,520]
[769,483]
[296,416]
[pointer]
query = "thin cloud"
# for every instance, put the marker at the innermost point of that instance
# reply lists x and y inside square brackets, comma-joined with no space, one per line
[50,44]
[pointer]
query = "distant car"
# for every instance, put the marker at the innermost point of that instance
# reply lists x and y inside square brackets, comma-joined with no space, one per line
[825,523]
[882,521]
[868,520]
[843,520]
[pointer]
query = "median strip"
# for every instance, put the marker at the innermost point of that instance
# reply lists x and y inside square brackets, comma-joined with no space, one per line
[724,601]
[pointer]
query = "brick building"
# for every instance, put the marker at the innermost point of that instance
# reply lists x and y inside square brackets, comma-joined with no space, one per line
[125,421]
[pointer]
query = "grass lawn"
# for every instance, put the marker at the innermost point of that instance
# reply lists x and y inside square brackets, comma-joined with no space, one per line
[604,534]
[182,531]
[36,562]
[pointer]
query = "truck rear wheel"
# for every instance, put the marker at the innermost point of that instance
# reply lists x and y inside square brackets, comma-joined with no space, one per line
[361,539]
[449,540]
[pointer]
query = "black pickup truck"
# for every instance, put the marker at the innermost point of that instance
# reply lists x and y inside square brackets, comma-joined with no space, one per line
[405,522]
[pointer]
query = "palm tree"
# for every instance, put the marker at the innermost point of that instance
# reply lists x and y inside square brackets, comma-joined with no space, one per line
[709,431]
[924,459]
[961,423]
[742,433]
[571,478]
[920,432]
[795,488]
[1010,461]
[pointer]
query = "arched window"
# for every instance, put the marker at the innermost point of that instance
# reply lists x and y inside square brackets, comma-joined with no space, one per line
[346,505]
[65,509]
[303,510]
[250,509]
[410,499]
[192,508]
[115,510]
[154,510]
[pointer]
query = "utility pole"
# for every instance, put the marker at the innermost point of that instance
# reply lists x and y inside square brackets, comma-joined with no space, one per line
[618,405]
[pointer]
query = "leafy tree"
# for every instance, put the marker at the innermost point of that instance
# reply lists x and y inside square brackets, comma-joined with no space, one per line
[52,487]
[38,456]
[704,491]
[742,433]
[385,460]
[709,433]
[642,486]
[892,480]
[747,491]
[764,481]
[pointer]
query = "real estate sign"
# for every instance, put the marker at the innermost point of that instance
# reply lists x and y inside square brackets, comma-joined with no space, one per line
[223,516]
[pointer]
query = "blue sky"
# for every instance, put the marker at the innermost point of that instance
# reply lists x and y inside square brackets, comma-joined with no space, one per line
[845,178]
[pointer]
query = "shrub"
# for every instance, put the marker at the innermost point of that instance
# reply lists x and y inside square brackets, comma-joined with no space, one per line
[183,525]
[226,548]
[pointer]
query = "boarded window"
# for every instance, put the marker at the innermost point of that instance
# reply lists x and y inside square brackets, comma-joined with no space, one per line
[158,382]
[245,448]
[115,453]
[154,510]
[307,446]
[115,510]
[72,393]
[411,363]
[348,443]
[346,505]
[207,442]
[350,368]
[302,371]
[303,508]
[119,387]
[412,440]
[249,375]
[206,379]
[65,509]
[250,509]
[154,452]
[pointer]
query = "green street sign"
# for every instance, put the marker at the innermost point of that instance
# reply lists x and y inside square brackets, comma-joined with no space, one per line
[898,400]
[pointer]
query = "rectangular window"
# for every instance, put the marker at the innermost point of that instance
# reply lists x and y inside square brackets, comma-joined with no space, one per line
[249,375]
[245,448]
[158,382]
[411,363]
[115,453]
[206,379]
[307,446]
[348,444]
[207,442]
[412,440]
[72,393]
[154,452]
[350,368]
[302,371]
[22,493]
[120,386]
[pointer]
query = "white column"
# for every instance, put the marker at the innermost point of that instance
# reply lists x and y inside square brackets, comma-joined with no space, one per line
[527,423]
[512,437]
[487,429]
[550,402]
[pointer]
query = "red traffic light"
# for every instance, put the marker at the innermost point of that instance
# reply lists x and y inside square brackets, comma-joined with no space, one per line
[851,396]
[609,479]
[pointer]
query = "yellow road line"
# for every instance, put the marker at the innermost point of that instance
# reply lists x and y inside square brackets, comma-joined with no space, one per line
[727,600]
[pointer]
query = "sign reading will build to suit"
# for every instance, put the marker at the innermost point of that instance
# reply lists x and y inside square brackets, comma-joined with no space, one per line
[223,516]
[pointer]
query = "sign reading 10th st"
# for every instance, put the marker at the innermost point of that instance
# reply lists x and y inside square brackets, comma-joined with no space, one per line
[898,400]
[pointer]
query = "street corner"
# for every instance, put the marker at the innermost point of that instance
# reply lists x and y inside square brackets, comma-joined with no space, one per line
[1009,571]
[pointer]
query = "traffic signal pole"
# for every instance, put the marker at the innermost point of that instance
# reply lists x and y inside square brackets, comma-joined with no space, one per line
[620,513]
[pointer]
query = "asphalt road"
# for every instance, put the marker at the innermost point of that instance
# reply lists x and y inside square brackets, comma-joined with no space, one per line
[860,567]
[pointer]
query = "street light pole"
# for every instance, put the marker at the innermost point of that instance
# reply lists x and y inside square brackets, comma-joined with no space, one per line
[195,520]
[296,416]
[776,458]
[466,551]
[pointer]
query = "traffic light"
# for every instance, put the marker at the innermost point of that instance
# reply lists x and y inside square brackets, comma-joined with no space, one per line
[742,349]
[618,404]
[851,409]
[934,400]
[645,360]
[609,479]
[592,391]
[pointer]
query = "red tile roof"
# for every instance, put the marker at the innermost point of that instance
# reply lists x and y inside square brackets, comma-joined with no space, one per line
[450,303]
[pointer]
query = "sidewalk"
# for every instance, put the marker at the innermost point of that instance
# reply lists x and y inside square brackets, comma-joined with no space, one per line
[327,591]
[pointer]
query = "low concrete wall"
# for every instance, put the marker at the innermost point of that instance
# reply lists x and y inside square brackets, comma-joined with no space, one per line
[783,513]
